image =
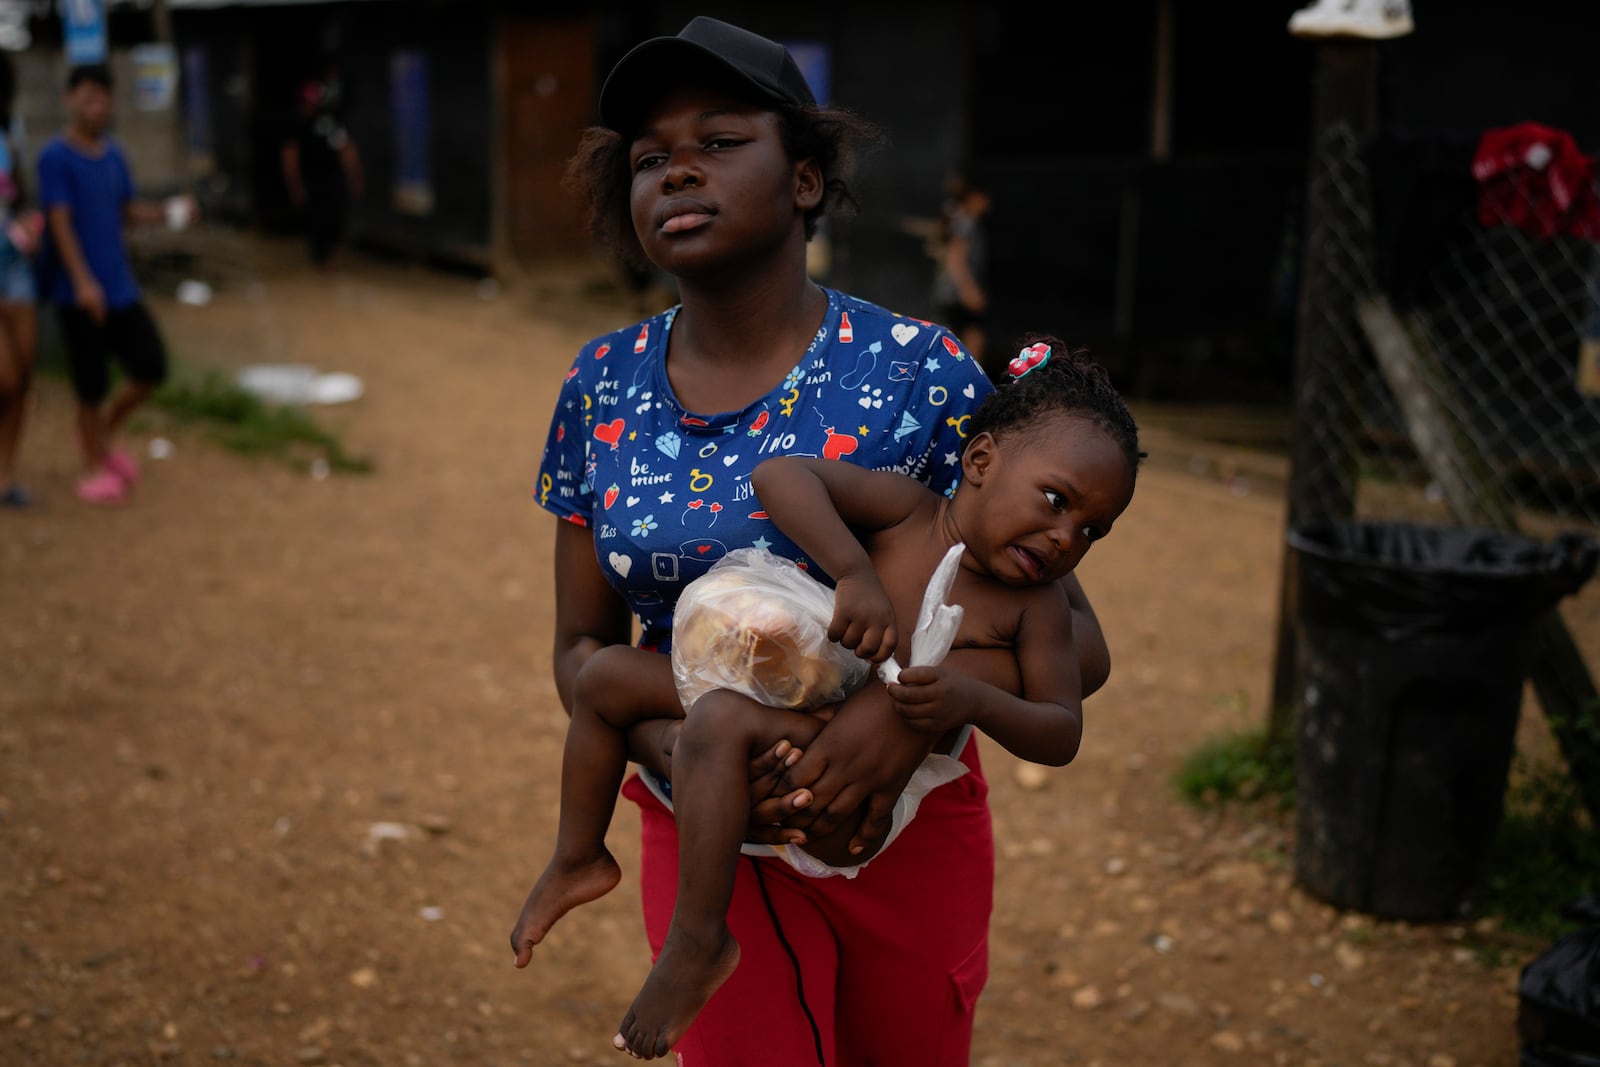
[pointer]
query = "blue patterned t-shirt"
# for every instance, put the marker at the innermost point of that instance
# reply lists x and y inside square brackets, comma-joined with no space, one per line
[667,491]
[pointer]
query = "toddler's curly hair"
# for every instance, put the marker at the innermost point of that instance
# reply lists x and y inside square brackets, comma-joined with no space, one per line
[1070,382]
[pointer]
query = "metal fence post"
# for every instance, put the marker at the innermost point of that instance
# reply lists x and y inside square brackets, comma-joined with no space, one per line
[1322,480]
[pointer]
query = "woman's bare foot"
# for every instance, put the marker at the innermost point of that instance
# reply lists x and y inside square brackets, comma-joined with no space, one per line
[562,887]
[688,971]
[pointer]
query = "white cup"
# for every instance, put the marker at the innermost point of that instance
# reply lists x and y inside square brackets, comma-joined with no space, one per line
[179,212]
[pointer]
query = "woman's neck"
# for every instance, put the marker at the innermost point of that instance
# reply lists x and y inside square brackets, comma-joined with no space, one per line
[733,343]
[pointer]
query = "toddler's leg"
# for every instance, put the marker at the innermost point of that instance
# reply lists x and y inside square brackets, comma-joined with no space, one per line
[582,868]
[711,799]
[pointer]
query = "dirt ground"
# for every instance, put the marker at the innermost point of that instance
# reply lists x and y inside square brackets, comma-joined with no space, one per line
[279,755]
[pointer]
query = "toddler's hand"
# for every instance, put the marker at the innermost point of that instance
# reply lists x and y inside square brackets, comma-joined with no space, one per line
[863,618]
[932,699]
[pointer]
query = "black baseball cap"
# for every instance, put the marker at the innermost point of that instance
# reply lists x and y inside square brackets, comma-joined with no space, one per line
[747,63]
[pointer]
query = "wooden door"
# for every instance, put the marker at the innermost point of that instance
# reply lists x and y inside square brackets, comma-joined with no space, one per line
[549,96]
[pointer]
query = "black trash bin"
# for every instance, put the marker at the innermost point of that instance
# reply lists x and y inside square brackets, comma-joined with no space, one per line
[1558,996]
[1413,646]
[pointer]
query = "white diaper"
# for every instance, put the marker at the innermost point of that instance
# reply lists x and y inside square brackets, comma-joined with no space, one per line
[935,771]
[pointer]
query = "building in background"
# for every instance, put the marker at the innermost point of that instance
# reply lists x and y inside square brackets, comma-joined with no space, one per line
[1147,160]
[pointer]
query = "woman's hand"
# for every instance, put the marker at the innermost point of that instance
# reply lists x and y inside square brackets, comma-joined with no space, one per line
[650,744]
[771,802]
[859,764]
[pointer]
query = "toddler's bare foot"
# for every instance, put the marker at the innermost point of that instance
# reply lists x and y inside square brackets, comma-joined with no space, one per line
[562,887]
[688,971]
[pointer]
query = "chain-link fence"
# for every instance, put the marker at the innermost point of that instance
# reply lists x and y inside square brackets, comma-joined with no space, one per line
[1451,394]
[1441,376]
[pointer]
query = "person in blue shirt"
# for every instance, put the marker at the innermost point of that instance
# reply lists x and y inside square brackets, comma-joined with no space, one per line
[87,194]
[19,239]
[714,163]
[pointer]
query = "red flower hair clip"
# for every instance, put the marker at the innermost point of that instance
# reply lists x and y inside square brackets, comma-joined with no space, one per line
[1034,355]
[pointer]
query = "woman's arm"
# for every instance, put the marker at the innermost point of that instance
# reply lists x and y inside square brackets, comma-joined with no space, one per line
[591,616]
[589,613]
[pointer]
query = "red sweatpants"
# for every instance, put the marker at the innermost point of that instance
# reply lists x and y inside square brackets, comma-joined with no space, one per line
[889,964]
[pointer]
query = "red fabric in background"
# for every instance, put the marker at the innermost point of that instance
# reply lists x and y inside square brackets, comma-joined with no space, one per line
[1534,177]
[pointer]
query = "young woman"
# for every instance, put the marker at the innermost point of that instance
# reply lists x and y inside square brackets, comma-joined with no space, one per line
[715,164]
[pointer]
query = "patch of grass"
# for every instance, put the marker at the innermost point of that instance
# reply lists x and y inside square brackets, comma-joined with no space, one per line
[1545,856]
[1245,766]
[1361,935]
[244,423]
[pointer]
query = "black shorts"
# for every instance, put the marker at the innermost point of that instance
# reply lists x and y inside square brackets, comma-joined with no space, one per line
[128,335]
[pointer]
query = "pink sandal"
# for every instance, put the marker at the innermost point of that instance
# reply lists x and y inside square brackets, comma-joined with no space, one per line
[122,465]
[104,487]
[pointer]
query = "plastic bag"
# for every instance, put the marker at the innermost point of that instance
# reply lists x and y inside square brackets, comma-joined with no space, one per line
[937,621]
[757,624]
[1401,581]
[1558,1011]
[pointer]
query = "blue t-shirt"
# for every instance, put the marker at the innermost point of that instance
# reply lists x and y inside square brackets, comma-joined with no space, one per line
[667,491]
[96,188]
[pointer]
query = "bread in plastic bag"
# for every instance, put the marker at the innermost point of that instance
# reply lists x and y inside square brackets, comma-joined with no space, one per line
[757,624]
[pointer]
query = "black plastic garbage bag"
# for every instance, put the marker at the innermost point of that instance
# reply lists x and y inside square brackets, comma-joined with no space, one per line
[1413,647]
[1558,1005]
[1396,581]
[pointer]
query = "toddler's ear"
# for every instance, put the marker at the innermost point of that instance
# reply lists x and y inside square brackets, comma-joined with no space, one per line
[978,457]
